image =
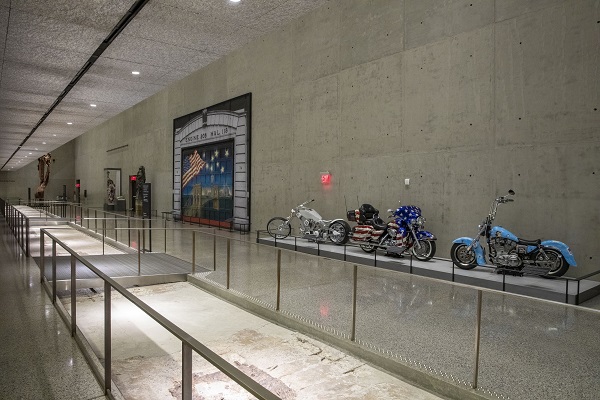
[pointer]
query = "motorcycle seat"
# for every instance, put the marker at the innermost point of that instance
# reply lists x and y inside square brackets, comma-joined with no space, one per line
[377,223]
[530,242]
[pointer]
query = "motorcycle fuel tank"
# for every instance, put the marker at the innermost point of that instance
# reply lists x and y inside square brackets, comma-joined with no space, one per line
[498,231]
[309,213]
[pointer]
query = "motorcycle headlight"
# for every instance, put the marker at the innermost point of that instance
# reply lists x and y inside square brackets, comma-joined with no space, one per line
[421,221]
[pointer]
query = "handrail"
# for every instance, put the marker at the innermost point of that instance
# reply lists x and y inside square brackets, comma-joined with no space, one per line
[228,369]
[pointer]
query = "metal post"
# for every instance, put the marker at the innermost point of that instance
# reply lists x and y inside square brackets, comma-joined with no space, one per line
[88,217]
[355,285]
[96,221]
[103,233]
[116,226]
[214,250]
[503,280]
[165,236]
[107,339]
[73,302]
[193,252]
[411,257]
[139,254]
[228,260]
[186,371]
[53,271]
[42,271]
[278,279]
[144,235]
[452,271]
[27,237]
[477,339]
[567,291]
[129,232]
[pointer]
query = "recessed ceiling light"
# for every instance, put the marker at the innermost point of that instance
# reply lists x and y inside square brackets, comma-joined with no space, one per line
[54,134]
[92,105]
[135,72]
[234,1]
[43,143]
[35,148]
[69,123]
[29,153]
[25,156]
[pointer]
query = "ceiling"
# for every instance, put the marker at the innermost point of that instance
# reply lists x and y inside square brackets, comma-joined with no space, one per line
[47,85]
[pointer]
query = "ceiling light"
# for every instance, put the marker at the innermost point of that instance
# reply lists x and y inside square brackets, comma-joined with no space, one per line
[92,105]
[43,143]
[135,72]
[54,134]
[29,153]
[234,1]
[69,123]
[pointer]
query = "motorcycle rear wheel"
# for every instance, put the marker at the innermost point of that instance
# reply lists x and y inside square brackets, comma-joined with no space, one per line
[560,268]
[279,228]
[425,252]
[338,232]
[462,258]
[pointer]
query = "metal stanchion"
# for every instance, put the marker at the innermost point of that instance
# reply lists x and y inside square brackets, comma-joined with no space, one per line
[73,302]
[53,271]
[139,254]
[144,235]
[278,280]
[129,232]
[228,261]
[27,237]
[186,372]
[42,271]
[193,252]
[107,339]
[103,233]
[355,285]
[165,236]
[116,226]
[214,250]
[477,339]
[96,221]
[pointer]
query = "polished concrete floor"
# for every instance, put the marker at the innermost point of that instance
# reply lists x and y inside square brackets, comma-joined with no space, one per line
[38,357]
[421,322]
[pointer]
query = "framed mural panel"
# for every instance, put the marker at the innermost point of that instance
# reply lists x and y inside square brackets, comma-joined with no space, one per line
[211,165]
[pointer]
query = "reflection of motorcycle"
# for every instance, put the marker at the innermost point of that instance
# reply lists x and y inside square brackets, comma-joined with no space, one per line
[312,226]
[549,258]
[402,233]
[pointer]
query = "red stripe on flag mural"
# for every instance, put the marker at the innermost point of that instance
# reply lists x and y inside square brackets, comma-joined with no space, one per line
[196,164]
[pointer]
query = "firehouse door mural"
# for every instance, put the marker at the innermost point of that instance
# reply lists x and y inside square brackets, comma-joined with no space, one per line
[210,158]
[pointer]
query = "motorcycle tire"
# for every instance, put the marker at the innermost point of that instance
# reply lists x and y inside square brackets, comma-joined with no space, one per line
[461,258]
[560,269]
[279,228]
[426,252]
[339,232]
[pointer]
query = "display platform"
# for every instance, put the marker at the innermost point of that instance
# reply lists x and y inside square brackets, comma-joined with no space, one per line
[561,290]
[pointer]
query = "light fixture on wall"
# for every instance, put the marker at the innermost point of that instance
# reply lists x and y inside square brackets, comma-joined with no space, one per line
[135,72]
[325,177]
[234,1]
[69,123]
[92,105]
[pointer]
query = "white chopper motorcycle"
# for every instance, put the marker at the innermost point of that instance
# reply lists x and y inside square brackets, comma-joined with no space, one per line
[312,226]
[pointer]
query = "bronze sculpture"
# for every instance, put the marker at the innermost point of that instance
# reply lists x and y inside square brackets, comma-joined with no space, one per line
[44,175]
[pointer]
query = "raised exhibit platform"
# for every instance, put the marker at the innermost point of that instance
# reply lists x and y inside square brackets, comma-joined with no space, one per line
[569,291]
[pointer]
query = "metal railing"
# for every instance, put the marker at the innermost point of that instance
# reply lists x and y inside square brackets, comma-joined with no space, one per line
[189,344]
[376,262]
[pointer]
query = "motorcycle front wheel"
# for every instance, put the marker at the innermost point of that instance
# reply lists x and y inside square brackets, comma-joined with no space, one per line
[425,252]
[462,258]
[338,232]
[561,265]
[279,228]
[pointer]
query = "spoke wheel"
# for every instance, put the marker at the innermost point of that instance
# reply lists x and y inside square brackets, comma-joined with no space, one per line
[279,228]
[425,251]
[461,257]
[338,233]
[559,264]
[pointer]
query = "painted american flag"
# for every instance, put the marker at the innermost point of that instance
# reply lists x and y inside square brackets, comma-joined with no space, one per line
[192,165]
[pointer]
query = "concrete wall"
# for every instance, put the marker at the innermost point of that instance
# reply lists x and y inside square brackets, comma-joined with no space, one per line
[15,184]
[465,98]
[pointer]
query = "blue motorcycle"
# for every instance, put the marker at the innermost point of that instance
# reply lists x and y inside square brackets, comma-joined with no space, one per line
[548,258]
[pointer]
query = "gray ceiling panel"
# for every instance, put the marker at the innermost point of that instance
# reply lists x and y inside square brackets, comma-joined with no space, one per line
[101,14]
[191,30]
[44,43]
[144,51]
[25,28]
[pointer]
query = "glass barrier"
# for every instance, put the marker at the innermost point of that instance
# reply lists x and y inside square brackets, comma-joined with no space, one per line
[427,324]
[318,291]
[253,272]
[533,349]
